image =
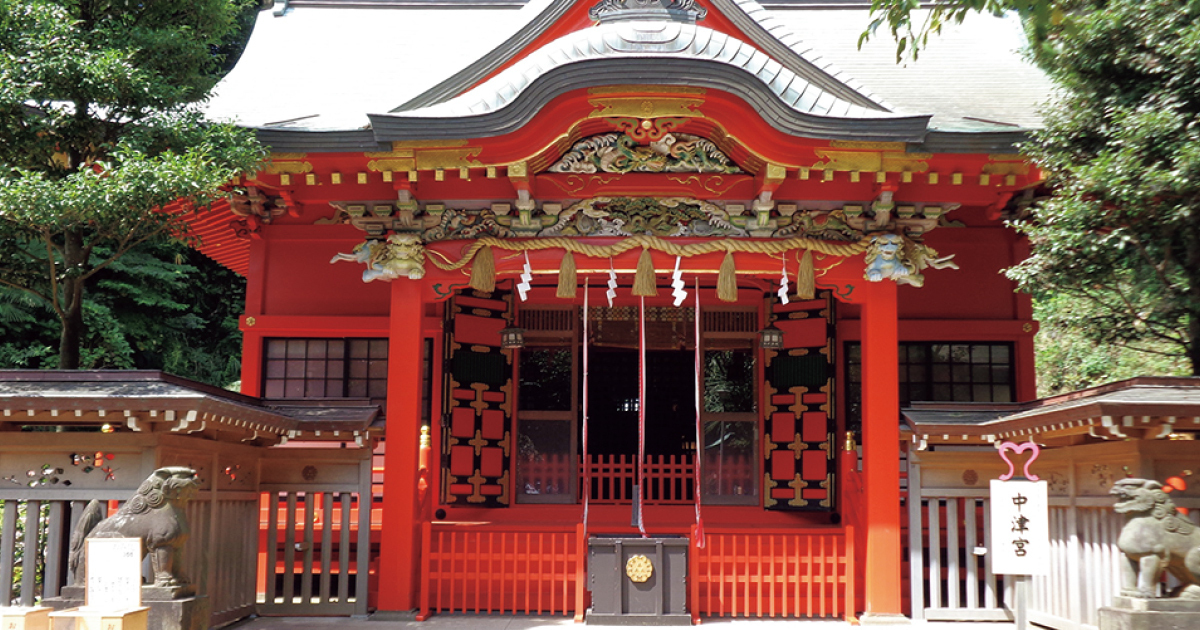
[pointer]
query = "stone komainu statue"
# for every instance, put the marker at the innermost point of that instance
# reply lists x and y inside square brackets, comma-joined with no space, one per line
[155,514]
[1155,537]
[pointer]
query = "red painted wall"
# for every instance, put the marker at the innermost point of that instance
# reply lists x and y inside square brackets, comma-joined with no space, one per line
[299,279]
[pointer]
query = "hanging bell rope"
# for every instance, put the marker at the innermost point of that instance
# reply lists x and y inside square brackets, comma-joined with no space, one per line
[727,279]
[483,272]
[566,277]
[644,284]
[806,278]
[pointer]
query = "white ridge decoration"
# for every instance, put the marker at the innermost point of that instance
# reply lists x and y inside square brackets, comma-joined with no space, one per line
[783,284]
[526,278]
[612,283]
[677,283]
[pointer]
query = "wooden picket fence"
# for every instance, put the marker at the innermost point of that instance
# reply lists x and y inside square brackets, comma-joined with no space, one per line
[773,573]
[521,569]
[790,573]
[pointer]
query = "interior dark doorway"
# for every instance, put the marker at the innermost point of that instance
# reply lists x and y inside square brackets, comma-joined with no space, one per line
[613,401]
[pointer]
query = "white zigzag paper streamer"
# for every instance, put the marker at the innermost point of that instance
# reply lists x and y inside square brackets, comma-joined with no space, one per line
[677,283]
[783,284]
[612,283]
[526,278]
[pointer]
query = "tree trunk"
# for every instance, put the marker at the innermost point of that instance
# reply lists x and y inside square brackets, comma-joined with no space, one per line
[1193,349]
[71,287]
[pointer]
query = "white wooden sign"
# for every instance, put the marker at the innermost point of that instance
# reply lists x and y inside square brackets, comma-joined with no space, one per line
[114,573]
[1020,528]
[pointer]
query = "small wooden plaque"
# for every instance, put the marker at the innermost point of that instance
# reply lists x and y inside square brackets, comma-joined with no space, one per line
[114,573]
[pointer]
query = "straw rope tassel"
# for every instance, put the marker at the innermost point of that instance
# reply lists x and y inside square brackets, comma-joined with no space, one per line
[483,272]
[644,284]
[727,279]
[806,279]
[566,277]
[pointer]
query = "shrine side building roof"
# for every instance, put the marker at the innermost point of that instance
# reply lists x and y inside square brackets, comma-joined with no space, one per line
[149,401]
[357,74]
[1142,407]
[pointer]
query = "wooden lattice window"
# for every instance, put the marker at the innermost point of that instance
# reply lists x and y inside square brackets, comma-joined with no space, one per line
[325,368]
[952,371]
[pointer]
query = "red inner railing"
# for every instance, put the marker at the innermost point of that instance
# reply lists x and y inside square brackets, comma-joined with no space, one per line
[669,479]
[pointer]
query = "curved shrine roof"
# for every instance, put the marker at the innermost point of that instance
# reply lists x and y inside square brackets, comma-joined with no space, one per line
[375,71]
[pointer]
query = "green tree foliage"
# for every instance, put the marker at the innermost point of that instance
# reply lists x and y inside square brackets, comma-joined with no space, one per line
[1068,360]
[1121,144]
[163,306]
[100,132]
[1120,236]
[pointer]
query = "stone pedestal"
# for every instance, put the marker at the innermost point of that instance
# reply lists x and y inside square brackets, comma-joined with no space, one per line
[1135,613]
[184,613]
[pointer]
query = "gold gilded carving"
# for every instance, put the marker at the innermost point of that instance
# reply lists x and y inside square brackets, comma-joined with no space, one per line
[716,184]
[871,161]
[640,107]
[518,169]
[406,153]
[798,484]
[478,442]
[639,568]
[394,164]
[849,160]
[479,404]
[768,485]
[401,145]
[906,162]
[447,158]
[279,168]
[875,146]
[575,183]
[477,480]
[1006,168]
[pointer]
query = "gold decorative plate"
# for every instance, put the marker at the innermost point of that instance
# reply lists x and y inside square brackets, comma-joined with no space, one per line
[639,568]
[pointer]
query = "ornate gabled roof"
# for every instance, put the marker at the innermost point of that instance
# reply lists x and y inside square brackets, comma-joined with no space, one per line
[763,31]
[654,52]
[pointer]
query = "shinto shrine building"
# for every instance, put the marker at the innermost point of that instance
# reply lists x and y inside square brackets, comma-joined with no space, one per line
[635,266]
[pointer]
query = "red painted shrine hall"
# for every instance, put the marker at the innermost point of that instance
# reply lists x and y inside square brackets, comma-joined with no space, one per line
[639,267]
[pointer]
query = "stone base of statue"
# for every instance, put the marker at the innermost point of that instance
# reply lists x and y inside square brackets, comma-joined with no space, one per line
[1135,613]
[168,611]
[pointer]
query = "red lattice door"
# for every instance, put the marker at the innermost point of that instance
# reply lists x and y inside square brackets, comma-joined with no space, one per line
[477,426]
[798,442]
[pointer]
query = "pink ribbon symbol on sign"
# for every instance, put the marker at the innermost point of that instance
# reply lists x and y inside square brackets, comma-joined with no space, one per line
[1010,446]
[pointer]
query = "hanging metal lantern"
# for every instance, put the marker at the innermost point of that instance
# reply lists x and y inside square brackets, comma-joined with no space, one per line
[770,338]
[512,337]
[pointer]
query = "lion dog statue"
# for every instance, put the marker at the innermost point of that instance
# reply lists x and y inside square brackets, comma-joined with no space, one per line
[1155,537]
[155,514]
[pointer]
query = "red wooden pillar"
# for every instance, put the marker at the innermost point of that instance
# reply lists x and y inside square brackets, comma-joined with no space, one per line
[399,554]
[252,341]
[881,440]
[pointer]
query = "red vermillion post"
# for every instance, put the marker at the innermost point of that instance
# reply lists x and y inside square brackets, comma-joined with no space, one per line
[399,551]
[881,438]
